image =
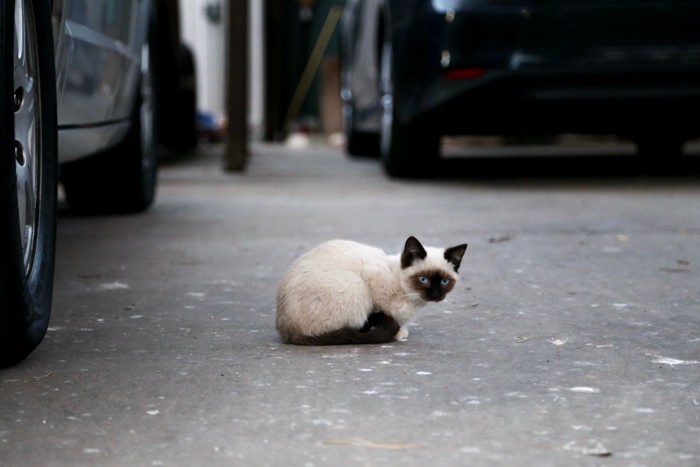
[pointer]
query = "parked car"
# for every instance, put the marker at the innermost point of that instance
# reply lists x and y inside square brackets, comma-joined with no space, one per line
[414,70]
[83,86]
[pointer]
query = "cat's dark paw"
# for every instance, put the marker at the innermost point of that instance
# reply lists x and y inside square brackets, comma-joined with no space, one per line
[374,319]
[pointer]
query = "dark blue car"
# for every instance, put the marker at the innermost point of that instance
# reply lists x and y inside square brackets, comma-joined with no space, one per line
[415,70]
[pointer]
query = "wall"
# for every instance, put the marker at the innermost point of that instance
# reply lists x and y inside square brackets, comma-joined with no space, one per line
[208,41]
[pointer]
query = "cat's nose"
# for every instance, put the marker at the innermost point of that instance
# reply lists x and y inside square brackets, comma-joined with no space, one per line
[435,296]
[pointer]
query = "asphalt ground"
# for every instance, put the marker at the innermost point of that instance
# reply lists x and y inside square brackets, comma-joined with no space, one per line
[572,339]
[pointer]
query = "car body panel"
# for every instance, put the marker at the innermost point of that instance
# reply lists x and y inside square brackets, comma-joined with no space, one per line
[547,66]
[98,51]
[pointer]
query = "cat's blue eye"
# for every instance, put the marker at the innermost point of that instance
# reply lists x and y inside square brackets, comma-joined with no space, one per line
[423,279]
[445,282]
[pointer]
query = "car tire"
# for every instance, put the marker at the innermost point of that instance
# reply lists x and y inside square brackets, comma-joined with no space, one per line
[122,179]
[28,175]
[177,104]
[406,150]
[658,147]
[653,148]
[358,143]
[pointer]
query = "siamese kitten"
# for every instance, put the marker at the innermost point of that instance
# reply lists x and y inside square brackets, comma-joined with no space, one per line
[343,292]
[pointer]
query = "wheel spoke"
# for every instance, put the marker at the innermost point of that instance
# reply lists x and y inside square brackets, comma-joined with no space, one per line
[147,108]
[26,127]
[387,96]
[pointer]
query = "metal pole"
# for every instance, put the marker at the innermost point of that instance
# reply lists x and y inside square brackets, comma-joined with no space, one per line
[236,156]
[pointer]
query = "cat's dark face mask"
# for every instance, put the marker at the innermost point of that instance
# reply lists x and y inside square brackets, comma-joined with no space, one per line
[432,286]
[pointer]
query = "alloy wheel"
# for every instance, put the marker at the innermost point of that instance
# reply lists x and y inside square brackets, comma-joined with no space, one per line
[28,130]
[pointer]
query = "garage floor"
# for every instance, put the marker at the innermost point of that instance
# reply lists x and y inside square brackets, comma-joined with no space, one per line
[572,339]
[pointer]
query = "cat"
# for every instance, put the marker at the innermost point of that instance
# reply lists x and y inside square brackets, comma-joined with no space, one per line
[344,292]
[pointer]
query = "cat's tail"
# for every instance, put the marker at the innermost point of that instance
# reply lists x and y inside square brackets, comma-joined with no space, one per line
[380,329]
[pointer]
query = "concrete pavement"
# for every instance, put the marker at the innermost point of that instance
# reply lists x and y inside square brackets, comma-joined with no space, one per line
[573,338]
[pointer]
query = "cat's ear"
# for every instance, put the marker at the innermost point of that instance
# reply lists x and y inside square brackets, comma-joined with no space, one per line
[412,251]
[454,255]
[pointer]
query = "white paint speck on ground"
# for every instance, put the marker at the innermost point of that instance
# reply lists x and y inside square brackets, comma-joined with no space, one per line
[588,448]
[116,285]
[322,422]
[470,450]
[585,389]
[673,361]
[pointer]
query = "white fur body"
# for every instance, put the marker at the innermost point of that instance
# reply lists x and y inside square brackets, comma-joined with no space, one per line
[340,283]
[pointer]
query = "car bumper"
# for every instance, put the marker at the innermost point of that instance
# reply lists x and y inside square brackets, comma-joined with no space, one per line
[542,65]
[561,100]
